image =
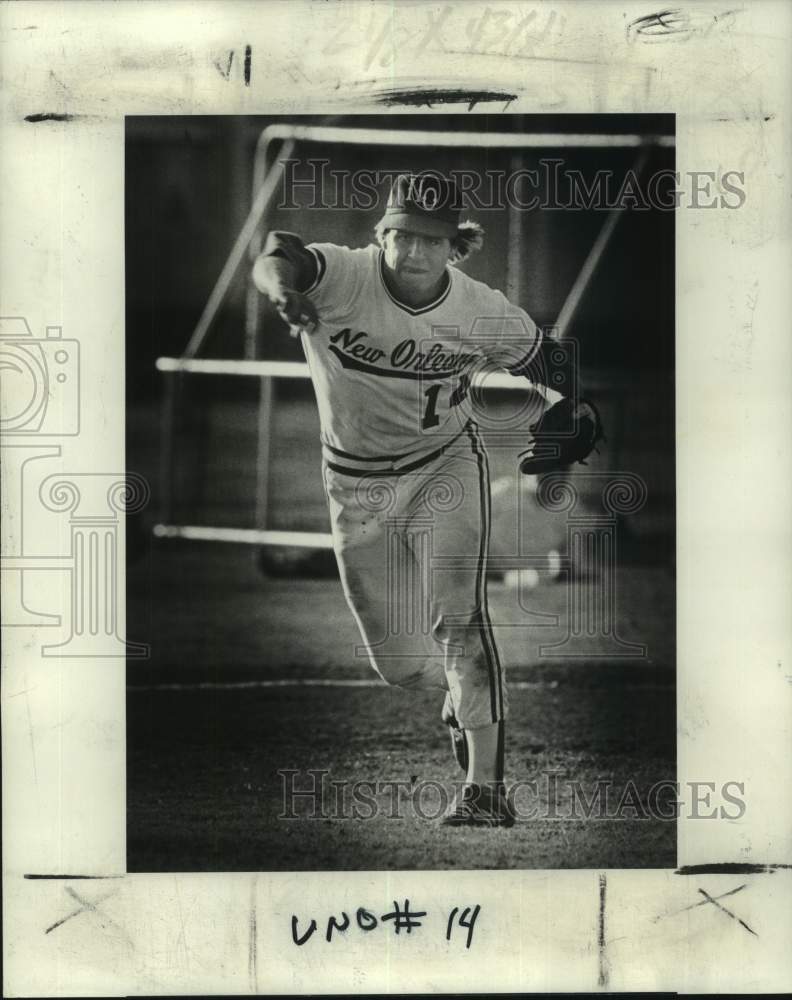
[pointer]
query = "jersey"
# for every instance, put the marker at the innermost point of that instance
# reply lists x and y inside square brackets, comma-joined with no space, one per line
[391,381]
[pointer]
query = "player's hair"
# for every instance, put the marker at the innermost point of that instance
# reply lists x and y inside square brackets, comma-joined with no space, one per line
[469,239]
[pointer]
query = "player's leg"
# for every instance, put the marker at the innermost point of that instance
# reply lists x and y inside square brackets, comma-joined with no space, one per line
[382,580]
[452,501]
[456,495]
[486,742]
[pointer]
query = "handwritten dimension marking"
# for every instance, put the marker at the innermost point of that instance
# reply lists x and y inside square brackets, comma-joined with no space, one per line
[495,33]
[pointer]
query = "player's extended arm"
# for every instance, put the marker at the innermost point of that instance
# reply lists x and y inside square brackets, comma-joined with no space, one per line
[552,372]
[570,427]
[283,272]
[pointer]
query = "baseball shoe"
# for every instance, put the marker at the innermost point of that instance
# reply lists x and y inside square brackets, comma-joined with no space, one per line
[480,805]
[458,742]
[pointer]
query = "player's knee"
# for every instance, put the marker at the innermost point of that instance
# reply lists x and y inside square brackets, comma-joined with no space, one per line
[409,671]
[399,671]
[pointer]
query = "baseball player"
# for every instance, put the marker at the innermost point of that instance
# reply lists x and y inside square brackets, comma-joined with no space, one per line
[393,334]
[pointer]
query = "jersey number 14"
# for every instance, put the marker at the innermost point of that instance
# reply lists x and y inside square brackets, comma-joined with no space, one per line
[430,417]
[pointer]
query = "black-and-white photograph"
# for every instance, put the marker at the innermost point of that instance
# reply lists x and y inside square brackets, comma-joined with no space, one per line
[404,390]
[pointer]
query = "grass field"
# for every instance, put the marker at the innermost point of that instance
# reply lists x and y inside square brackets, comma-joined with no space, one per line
[207,736]
[250,675]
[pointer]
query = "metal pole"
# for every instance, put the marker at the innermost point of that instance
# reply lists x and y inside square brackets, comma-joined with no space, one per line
[263,197]
[264,414]
[500,140]
[514,243]
[263,428]
[167,418]
[254,248]
[586,273]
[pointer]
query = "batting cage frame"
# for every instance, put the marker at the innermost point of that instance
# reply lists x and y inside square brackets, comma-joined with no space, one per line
[266,181]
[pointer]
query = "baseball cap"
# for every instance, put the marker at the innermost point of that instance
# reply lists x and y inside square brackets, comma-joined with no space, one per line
[426,203]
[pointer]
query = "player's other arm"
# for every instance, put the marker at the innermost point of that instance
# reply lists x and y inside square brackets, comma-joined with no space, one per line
[552,373]
[520,348]
[555,375]
[284,272]
[551,369]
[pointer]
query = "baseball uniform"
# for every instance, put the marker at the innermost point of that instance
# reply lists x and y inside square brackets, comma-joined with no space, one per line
[405,470]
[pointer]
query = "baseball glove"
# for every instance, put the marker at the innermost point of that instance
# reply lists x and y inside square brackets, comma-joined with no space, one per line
[567,432]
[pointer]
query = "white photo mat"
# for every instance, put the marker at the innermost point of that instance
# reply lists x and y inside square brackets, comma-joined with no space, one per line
[71,72]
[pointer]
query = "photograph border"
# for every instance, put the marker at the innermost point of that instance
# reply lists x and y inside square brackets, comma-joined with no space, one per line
[75,923]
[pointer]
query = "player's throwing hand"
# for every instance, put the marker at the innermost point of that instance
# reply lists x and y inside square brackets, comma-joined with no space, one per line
[298,311]
[277,276]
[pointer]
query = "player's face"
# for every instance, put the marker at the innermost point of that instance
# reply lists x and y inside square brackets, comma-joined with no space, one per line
[416,262]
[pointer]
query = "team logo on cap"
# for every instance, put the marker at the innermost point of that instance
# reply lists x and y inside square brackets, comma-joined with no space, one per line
[424,192]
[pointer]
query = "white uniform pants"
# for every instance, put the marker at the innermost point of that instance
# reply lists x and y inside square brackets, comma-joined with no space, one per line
[411,550]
